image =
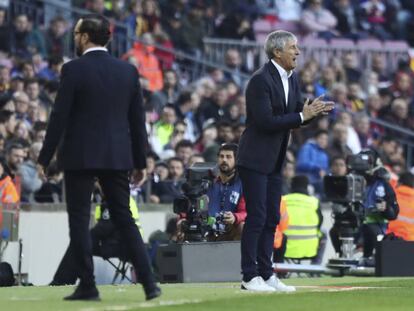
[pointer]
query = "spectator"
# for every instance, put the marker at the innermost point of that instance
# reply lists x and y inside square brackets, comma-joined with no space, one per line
[348,19]
[194,29]
[338,166]
[57,38]
[288,173]
[21,101]
[52,71]
[98,7]
[22,131]
[374,18]
[225,197]
[169,92]
[174,28]
[378,65]
[167,190]
[31,175]
[163,128]
[399,115]
[236,25]
[402,86]
[26,70]
[186,105]
[313,161]
[143,58]
[327,80]
[163,51]
[238,130]
[184,151]
[216,109]
[207,139]
[4,82]
[38,132]
[338,145]
[351,66]
[7,123]
[353,143]
[374,105]
[225,135]
[32,89]
[339,95]
[233,61]
[362,128]
[145,17]
[370,83]
[318,20]
[23,40]
[16,85]
[146,187]
[180,128]
[15,156]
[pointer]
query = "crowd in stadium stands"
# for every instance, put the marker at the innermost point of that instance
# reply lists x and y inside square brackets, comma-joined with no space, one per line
[188,120]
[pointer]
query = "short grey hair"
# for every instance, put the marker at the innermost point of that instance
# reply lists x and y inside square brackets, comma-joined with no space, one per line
[277,40]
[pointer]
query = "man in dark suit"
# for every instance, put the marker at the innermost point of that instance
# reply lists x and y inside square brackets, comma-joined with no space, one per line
[97,125]
[274,107]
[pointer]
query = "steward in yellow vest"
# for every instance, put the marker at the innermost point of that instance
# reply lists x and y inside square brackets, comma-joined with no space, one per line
[305,219]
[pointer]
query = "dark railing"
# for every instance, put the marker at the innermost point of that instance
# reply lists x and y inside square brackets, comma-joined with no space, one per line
[253,55]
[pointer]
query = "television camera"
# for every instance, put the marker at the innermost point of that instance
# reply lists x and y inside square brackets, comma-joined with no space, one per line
[347,194]
[193,203]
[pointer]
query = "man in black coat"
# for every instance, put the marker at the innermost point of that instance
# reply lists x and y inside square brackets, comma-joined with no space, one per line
[97,125]
[274,107]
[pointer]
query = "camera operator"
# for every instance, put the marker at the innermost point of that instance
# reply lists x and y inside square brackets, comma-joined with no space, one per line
[226,206]
[226,202]
[380,203]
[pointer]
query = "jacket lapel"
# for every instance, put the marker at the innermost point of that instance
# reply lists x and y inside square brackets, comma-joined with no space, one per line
[291,101]
[278,82]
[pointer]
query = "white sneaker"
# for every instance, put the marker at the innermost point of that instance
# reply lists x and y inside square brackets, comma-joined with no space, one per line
[257,284]
[277,284]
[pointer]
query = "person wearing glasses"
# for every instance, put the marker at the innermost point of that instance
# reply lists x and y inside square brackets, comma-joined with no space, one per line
[97,125]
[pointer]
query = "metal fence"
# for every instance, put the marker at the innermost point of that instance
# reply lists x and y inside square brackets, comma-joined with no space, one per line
[253,54]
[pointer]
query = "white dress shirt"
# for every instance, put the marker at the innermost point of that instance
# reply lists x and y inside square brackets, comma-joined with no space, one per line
[284,75]
[97,48]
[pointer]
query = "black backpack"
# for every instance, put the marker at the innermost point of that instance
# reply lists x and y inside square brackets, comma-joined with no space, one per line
[6,275]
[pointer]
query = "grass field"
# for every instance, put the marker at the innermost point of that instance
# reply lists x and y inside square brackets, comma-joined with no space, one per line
[319,294]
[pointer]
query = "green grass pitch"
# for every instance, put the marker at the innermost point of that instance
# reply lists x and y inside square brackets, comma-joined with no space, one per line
[319,294]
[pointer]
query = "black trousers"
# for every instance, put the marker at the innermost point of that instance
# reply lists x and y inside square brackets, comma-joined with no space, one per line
[115,186]
[262,194]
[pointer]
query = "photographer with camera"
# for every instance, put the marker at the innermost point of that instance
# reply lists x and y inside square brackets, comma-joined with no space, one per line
[212,209]
[380,204]
[225,198]
[362,196]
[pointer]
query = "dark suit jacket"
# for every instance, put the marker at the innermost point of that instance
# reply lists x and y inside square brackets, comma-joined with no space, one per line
[263,144]
[97,121]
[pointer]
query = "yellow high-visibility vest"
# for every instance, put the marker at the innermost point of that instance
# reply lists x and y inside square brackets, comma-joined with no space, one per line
[133,207]
[302,232]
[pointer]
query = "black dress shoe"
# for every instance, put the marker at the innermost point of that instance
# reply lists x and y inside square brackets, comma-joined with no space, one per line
[152,292]
[84,293]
